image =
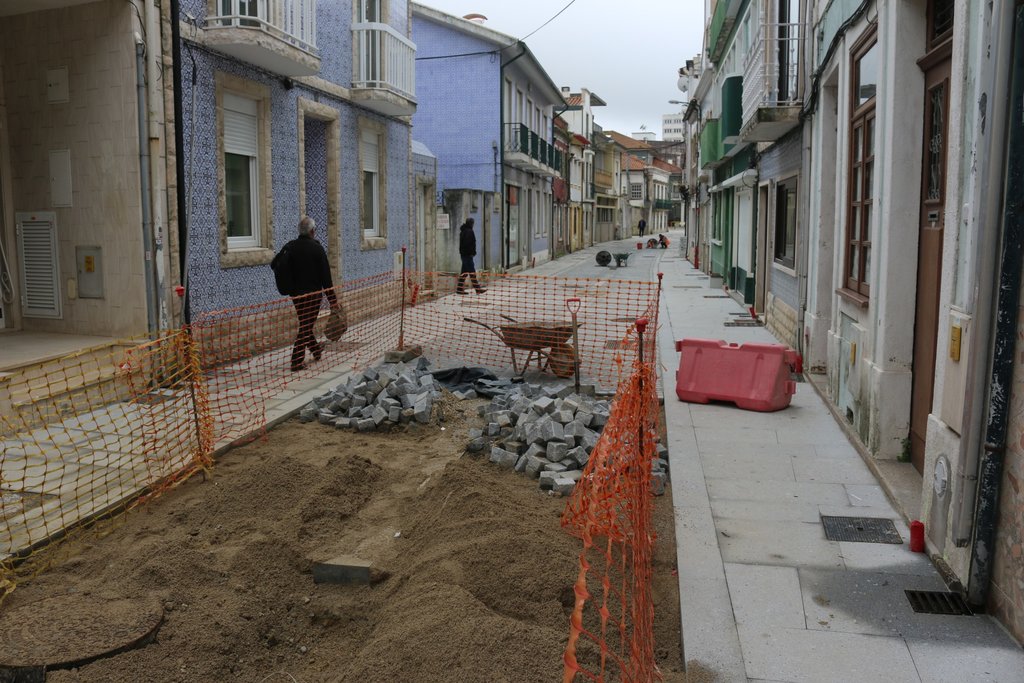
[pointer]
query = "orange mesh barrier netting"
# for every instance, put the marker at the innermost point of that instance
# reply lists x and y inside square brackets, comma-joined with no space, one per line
[101,431]
[524,322]
[84,436]
[246,353]
[611,627]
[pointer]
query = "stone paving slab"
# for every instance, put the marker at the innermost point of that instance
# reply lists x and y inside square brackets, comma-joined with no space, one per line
[754,541]
[750,467]
[777,491]
[939,662]
[765,597]
[832,470]
[808,656]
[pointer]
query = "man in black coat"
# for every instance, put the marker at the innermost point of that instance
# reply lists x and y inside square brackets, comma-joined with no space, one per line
[467,250]
[311,280]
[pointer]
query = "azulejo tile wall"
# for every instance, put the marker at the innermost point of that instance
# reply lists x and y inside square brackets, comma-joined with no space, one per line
[213,287]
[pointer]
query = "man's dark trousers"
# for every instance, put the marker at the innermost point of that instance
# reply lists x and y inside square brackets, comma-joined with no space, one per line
[307,307]
[468,268]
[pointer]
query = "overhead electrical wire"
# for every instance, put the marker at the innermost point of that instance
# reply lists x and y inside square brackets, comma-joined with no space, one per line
[491,52]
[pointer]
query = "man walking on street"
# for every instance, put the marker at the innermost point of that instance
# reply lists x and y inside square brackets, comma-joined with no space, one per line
[643,226]
[467,250]
[310,275]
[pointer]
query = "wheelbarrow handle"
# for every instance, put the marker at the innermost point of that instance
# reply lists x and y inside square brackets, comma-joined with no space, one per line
[484,325]
[508,318]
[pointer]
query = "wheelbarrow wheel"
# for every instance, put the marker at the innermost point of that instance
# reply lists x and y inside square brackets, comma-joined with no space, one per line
[562,360]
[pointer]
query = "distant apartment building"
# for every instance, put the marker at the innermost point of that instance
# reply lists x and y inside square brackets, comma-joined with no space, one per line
[673,127]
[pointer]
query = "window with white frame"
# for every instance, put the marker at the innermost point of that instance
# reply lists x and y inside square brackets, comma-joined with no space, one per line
[241,171]
[372,181]
[636,191]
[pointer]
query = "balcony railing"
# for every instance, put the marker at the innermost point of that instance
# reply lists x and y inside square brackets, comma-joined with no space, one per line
[385,59]
[662,204]
[291,23]
[771,74]
[532,149]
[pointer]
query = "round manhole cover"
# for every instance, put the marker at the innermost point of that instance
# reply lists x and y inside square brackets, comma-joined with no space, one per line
[71,630]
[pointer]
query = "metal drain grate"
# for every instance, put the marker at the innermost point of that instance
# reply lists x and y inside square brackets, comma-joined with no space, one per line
[619,344]
[687,286]
[938,602]
[861,529]
[742,323]
[717,296]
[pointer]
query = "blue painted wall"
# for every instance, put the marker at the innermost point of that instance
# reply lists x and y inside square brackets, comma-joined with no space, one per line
[458,113]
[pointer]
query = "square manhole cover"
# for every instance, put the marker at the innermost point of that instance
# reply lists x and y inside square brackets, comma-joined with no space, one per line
[861,529]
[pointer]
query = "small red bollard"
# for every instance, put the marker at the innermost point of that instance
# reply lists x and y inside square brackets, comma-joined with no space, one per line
[179,290]
[917,536]
[639,245]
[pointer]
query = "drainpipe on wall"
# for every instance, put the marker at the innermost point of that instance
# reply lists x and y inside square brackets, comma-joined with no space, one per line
[996,87]
[158,159]
[147,220]
[179,159]
[1003,347]
[506,260]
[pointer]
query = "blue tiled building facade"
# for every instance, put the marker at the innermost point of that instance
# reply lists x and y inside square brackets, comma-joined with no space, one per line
[308,130]
[486,110]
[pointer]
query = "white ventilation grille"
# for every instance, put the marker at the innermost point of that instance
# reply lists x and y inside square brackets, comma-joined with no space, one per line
[40,276]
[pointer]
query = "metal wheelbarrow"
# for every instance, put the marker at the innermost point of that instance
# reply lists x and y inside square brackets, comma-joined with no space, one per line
[546,344]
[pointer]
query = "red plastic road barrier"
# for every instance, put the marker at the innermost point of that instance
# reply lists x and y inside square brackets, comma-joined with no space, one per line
[753,376]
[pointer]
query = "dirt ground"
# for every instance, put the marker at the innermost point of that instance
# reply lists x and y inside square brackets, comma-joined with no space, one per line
[477,582]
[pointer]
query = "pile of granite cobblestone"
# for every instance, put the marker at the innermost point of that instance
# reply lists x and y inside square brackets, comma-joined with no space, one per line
[546,431]
[392,393]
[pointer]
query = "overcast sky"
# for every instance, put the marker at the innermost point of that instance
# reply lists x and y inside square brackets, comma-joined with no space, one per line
[627,53]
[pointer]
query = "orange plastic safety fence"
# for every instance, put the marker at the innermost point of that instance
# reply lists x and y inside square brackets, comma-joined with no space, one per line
[525,322]
[101,431]
[611,633]
[83,436]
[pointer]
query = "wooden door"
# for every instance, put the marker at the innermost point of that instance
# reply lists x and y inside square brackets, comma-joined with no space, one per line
[929,250]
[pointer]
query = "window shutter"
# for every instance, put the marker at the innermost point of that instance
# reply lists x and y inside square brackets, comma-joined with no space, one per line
[40,281]
[240,125]
[368,146]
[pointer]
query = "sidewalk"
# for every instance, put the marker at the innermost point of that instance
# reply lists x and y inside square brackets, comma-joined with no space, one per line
[765,596]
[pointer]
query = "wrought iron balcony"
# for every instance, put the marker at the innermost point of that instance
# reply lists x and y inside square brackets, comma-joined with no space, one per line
[662,204]
[528,151]
[771,83]
[384,74]
[277,35]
